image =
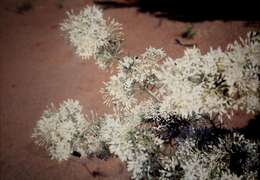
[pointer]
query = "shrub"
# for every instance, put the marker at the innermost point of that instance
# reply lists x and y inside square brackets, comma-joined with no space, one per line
[167,113]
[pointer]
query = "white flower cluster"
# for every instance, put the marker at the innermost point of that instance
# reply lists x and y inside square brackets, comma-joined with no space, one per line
[91,140]
[60,130]
[93,36]
[229,176]
[131,143]
[134,74]
[215,83]
[169,170]
[118,91]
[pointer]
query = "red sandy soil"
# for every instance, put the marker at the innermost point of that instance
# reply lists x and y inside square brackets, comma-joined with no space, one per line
[39,67]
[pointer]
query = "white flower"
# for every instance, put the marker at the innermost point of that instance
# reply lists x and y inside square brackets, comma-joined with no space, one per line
[118,91]
[168,171]
[93,36]
[135,74]
[59,129]
[130,143]
[229,176]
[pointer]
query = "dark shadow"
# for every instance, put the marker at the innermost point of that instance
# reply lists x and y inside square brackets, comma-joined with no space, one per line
[252,130]
[190,12]
[24,6]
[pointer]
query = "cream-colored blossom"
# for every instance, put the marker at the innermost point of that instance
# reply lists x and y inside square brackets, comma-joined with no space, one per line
[215,83]
[59,129]
[93,36]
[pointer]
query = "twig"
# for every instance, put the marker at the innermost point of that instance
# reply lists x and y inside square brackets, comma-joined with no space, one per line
[151,94]
[178,41]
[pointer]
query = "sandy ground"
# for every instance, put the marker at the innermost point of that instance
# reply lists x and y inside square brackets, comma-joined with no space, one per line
[39,67]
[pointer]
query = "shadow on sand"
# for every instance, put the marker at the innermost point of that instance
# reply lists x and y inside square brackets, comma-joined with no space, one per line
[190,12]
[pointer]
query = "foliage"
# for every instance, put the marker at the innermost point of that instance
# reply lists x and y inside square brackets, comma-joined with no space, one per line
[189,32]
